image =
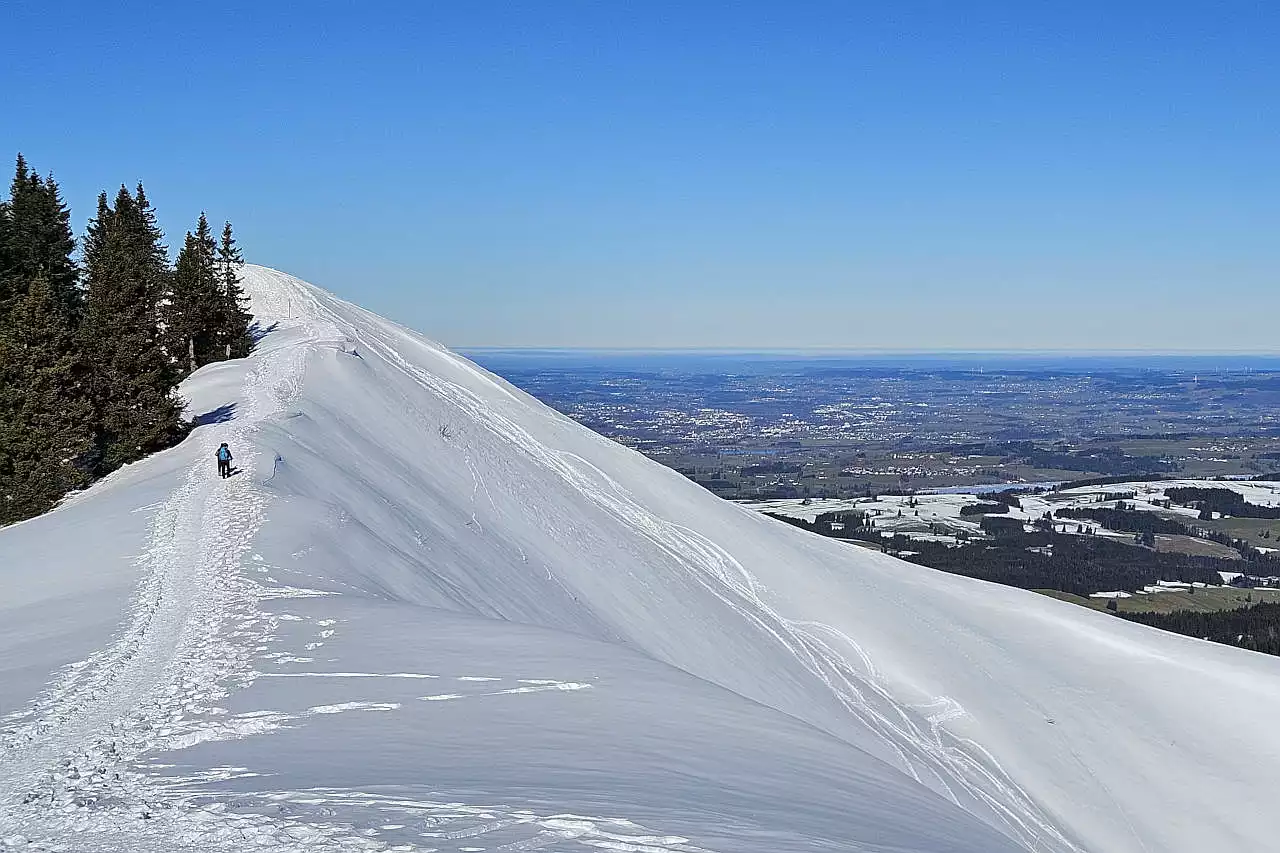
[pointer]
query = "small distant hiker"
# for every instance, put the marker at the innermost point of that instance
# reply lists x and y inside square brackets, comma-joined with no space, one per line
[224,461]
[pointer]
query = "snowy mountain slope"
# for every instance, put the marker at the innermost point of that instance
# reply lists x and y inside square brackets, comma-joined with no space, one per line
[432,614]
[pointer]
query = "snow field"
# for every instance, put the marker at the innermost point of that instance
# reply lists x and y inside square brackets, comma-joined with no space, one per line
[433,615]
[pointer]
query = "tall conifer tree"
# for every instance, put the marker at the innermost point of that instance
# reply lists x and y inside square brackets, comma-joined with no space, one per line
[234,326]
[7,287]
[193,312]
[57,243]
[46,439]
[127,276]
[95,233]
[9,283]
[37,240]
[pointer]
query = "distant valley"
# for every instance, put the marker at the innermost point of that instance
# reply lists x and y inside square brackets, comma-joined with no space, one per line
[1148,487]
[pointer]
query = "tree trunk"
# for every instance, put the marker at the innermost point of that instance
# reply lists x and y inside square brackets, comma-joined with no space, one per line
[191,353]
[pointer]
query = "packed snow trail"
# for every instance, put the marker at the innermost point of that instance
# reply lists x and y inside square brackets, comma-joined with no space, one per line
[180,651]
[431,614]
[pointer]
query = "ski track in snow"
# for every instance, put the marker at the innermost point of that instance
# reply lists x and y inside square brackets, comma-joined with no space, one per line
[73,765]
[957,767]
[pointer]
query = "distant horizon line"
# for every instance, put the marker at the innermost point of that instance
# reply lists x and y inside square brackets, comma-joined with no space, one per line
[1115,353]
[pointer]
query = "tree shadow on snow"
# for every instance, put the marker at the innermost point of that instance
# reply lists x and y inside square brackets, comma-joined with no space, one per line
[257,331]
[220,415]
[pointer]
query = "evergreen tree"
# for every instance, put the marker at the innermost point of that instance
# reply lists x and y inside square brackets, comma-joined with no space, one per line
[6,237]
[57,243]
[95,233]
[234,321]
[194,307]
[36,240]
[46,421]
[127,274]
[9,284]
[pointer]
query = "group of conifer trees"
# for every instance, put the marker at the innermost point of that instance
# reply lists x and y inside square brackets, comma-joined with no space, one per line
[92,348]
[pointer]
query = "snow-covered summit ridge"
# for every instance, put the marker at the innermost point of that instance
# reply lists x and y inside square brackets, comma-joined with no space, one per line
[432,614]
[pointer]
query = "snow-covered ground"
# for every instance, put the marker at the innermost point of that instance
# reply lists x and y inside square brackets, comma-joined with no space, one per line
[935,516]
[1261,493]
[431,614]
[932,517]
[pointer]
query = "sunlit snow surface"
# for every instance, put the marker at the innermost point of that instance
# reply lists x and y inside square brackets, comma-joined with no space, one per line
[431,614]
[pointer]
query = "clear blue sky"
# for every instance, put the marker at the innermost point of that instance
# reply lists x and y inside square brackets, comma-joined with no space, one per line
[905,175]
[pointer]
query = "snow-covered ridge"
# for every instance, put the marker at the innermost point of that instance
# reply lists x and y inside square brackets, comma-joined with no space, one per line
[432,614]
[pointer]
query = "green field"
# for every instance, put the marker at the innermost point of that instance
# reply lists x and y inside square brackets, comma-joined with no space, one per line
[1202,600]
[1171,544]
[1248,529]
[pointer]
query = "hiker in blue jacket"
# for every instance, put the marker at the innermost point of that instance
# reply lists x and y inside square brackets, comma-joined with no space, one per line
[224,461]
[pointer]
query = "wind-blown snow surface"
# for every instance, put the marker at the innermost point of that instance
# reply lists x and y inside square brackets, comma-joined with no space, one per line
[429,613]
